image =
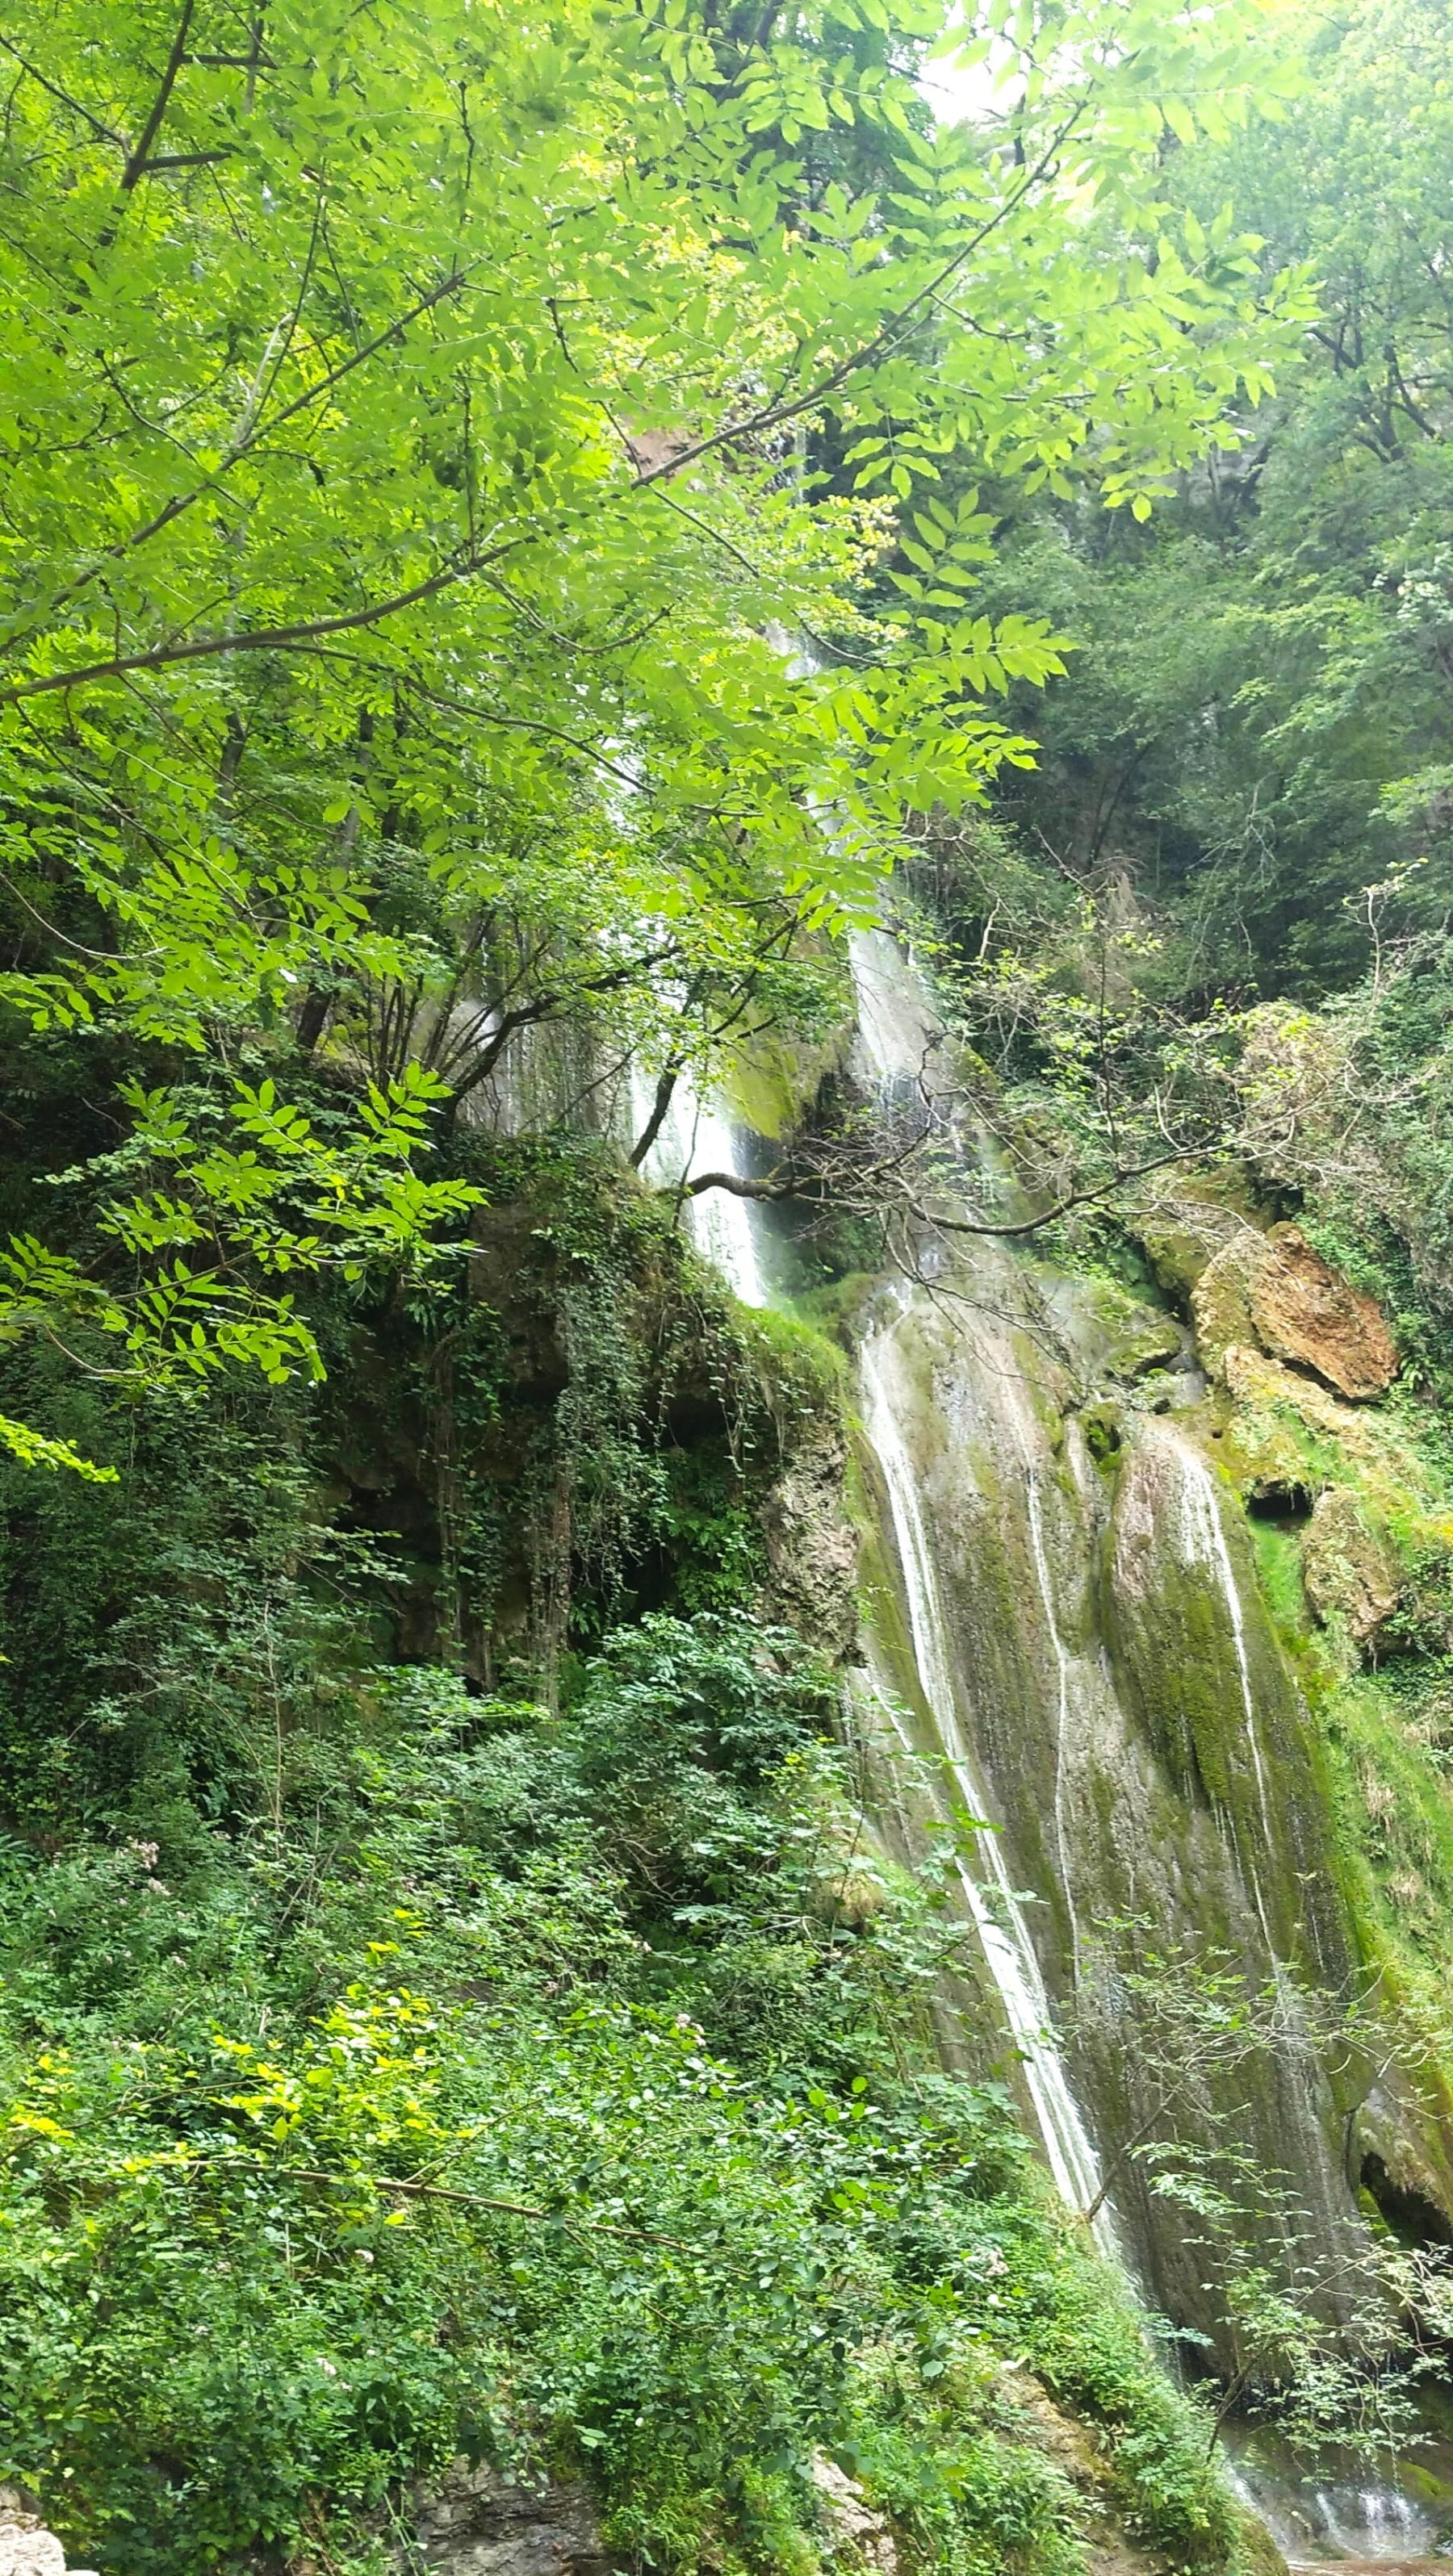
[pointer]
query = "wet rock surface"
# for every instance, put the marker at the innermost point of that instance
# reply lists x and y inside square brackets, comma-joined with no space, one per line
[473,2522]
[1114,1672]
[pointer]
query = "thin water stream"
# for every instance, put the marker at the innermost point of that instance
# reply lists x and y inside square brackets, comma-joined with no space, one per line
[992,1906]
[696,1137]
[899,1042]
[1205,1544]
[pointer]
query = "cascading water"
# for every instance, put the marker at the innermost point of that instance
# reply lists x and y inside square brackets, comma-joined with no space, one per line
[1018,1567]
[1101,1676]
[996,1917]
[695,1137]
[1324,2521]
[898,1042]
[1205,1544]
[897,1034]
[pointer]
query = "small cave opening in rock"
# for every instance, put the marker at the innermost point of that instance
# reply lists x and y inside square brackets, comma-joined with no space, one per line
[1414,2219]
[1283,1507]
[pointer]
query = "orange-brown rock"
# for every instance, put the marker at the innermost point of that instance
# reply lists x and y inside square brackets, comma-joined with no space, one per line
[1306,1312]
[1276,1293]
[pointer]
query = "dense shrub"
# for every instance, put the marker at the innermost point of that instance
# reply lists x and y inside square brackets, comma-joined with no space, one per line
[534,2091]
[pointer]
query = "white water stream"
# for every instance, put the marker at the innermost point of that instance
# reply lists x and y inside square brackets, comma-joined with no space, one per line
[1316,2523]
[898,1039]
[1203,1540]
[695,1137]
[1205,1544]
[992,1906]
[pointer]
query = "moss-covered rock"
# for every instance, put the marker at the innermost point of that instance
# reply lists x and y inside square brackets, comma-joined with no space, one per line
[811,1544]
[1350,1568]
[1199,1664]
[1183,1225]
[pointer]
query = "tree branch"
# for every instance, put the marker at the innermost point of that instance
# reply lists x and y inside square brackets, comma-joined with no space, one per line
[254,639]
[180,503]
[889,334]
[787,1184]
[416,2188]
[665,1087]
[74,104]
[769,416]
[136,165]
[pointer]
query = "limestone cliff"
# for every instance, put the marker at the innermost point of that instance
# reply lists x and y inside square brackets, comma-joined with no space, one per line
[1175,1530]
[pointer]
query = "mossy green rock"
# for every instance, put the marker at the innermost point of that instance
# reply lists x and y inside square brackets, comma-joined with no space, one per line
[1350,1568]
[1182,1228]
[1130,1719]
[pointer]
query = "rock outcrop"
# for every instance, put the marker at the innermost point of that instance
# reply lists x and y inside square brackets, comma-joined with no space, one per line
[1275,1293]
[1307,1313]
[473,2522]
[855,2533]
[812,1548]
[27,2548]
[1351,1574]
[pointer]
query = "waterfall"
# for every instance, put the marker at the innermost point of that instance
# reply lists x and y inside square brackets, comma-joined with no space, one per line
[1072,1611]
[1316,2524]
[996,1917]
[897,1033]
[1205,1544]
[1203,1538]
[898,1038]
[696,1137]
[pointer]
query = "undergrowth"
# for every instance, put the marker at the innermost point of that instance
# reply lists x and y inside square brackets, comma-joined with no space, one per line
[431,2022]
[529,2086]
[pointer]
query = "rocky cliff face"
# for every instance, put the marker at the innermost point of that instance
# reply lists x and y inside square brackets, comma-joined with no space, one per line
[1139,1737]
[1141,1719]
[473,2522]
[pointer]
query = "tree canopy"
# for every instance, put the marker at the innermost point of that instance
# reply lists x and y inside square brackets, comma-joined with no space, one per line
[427,433]
[1257,723]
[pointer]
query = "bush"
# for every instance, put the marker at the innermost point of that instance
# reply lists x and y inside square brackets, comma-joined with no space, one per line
[534,2095]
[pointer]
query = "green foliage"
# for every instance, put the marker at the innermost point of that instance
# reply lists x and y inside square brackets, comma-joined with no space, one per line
[35,1449]
[163,1629]
[426,433]
[534,2095]
[1254,735]
[416,427]
[202,1224]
